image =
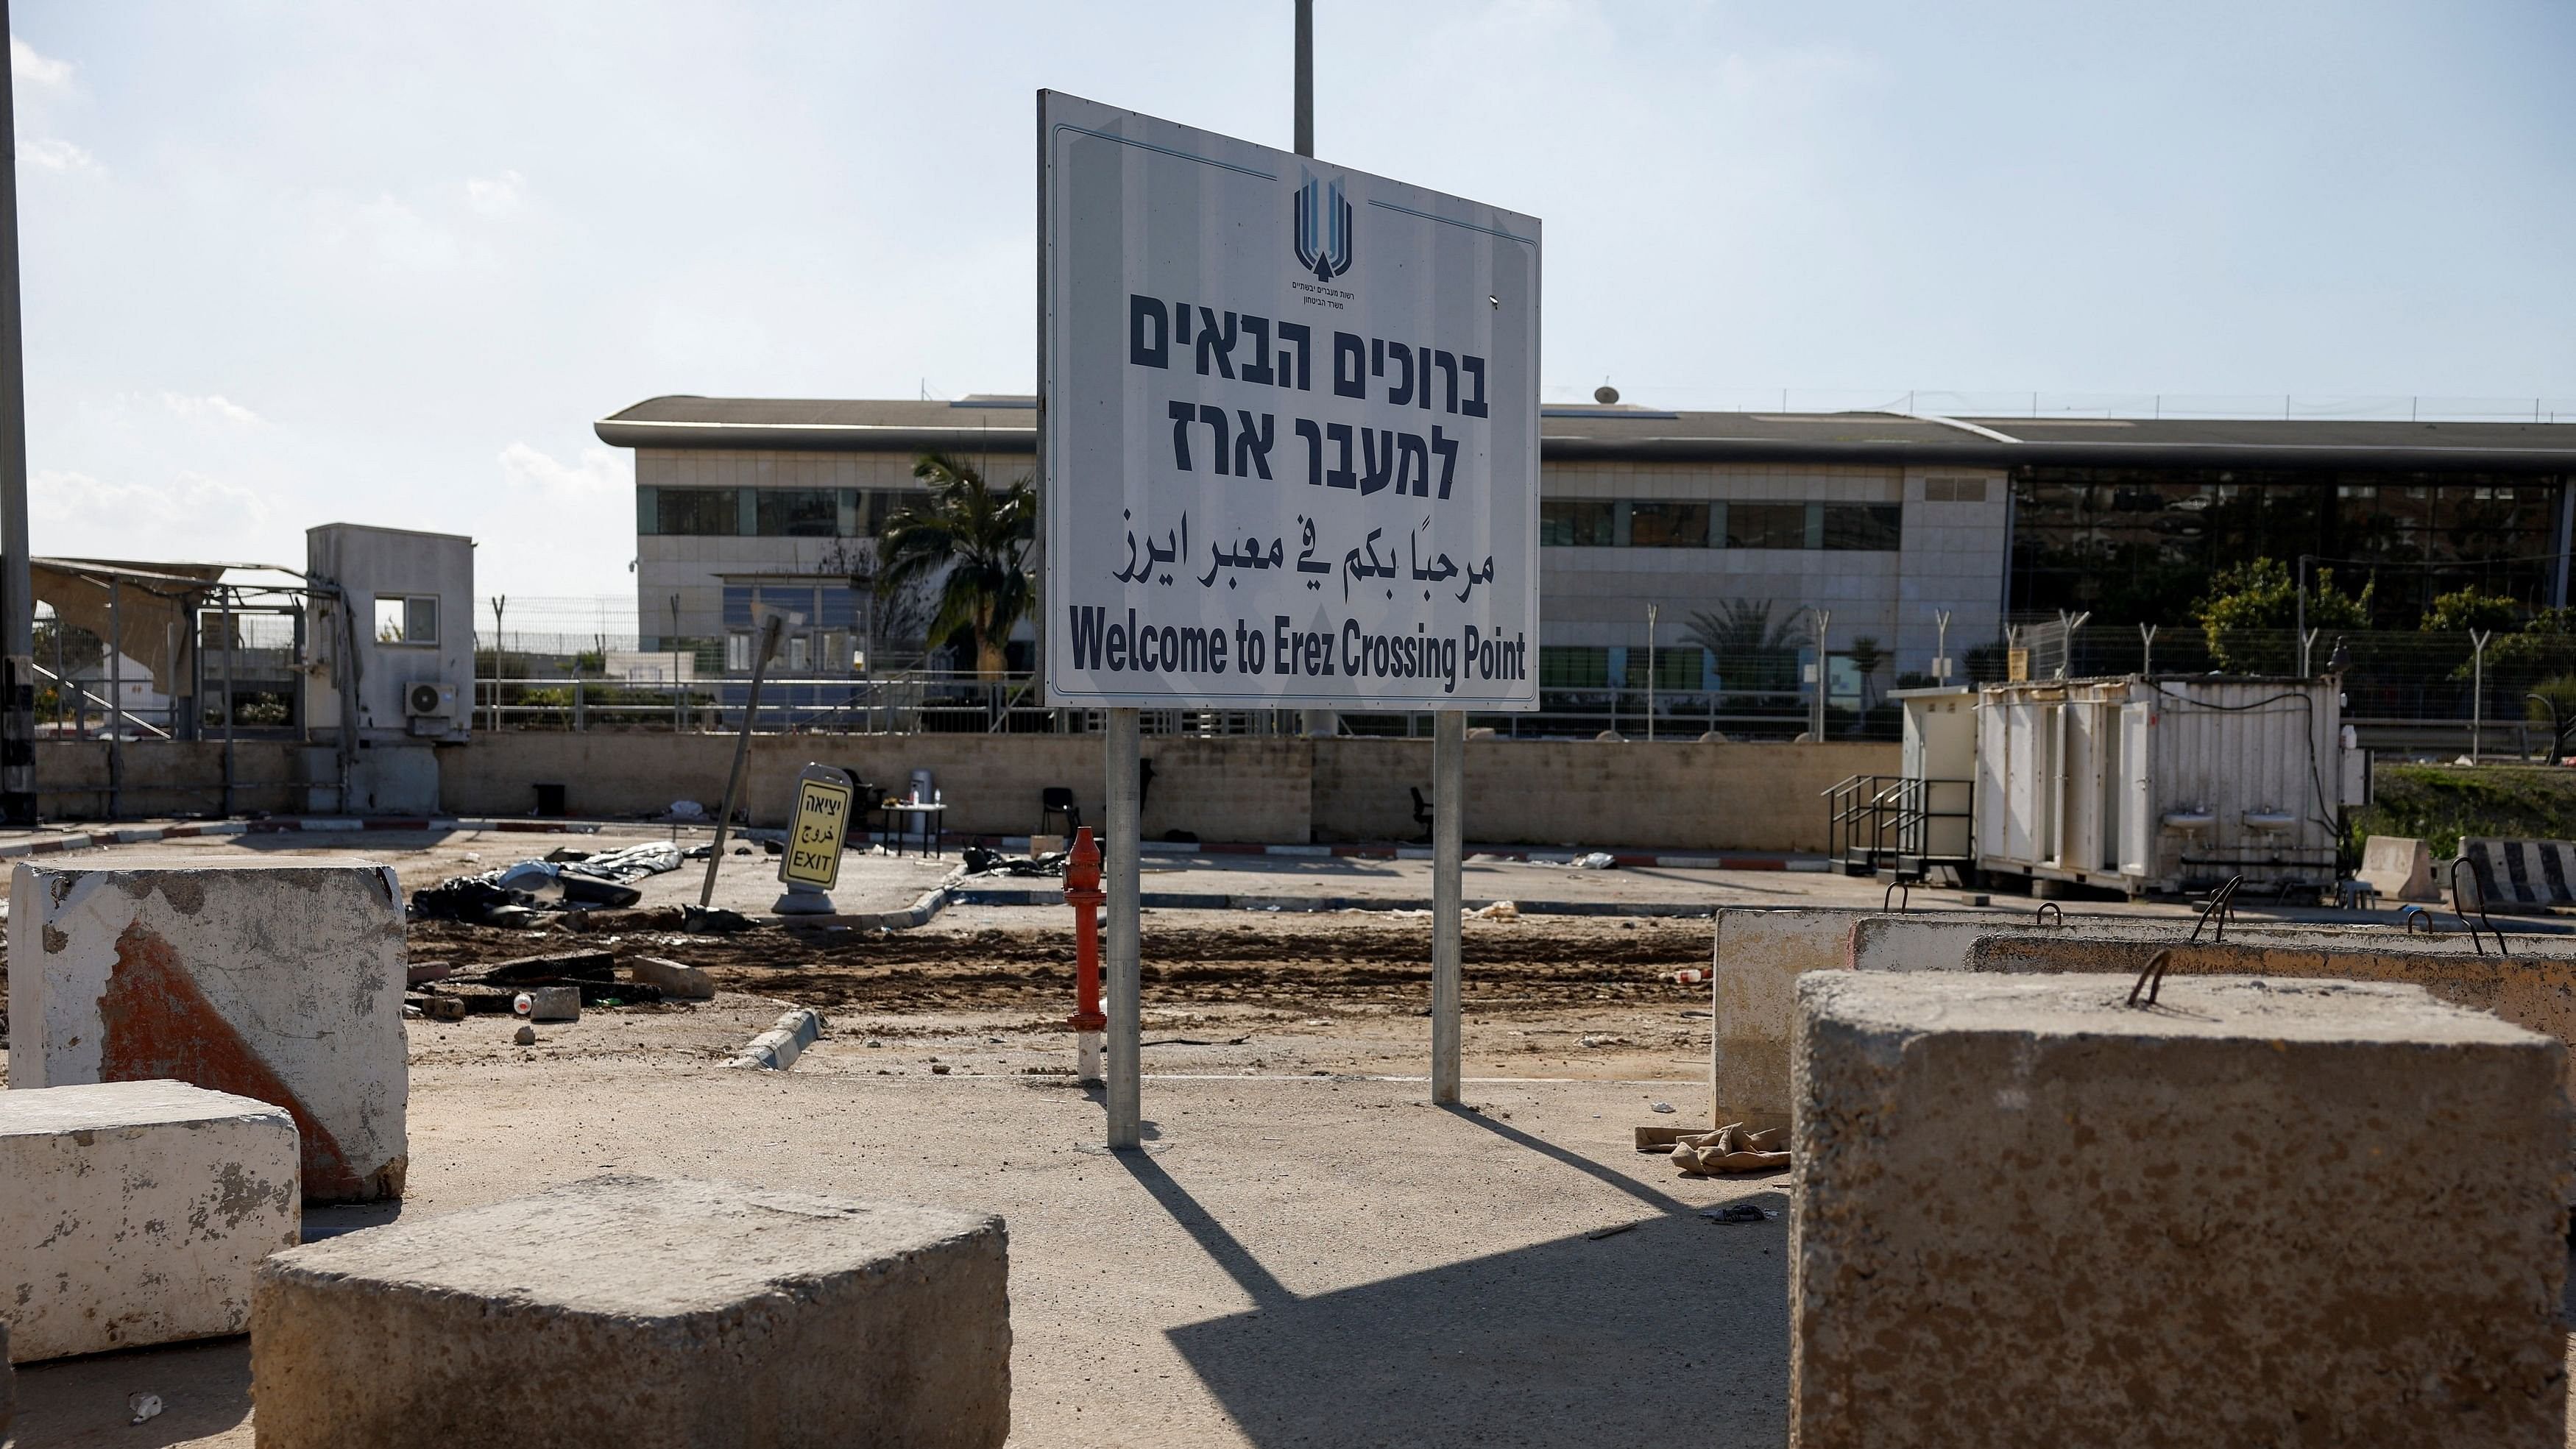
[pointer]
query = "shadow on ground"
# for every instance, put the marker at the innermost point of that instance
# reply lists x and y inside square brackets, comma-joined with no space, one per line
[1657,1331]
[204,1389]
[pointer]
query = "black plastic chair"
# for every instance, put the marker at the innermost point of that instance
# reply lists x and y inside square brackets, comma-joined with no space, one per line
[1054,800]
[1422,814]
[867,812]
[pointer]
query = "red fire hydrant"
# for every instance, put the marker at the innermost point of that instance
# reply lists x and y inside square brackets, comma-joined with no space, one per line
[1082,892]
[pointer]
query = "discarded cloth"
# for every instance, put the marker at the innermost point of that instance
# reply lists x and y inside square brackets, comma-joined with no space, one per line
[1732,1149]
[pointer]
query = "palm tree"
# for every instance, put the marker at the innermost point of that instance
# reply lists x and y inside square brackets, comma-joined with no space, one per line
[1748,643]
[975,542]
[1866,660]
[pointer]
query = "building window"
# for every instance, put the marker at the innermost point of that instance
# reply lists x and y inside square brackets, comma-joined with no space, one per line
[1954,490]
[1874,527]
[797,512]
[1668,525]
[1576,522]
[406,618]
[1573,666]
[700,512]
[1766,525]
[1681,668]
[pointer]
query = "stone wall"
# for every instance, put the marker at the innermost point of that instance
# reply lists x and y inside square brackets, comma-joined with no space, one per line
[1272,790]
[165,777]
[1266,789]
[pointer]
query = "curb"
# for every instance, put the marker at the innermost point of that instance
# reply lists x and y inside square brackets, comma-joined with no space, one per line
[778,1048]
[919,913]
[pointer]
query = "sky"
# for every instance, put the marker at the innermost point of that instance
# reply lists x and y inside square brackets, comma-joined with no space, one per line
[288,263]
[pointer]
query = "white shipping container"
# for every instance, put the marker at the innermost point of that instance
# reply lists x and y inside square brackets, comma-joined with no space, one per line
[2161,784]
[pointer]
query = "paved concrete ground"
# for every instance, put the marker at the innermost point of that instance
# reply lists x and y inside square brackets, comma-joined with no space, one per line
[877,882]
[746,882]
[1304,1261]
[1300,1260]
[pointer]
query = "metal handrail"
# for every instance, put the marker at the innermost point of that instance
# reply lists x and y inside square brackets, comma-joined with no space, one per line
[115,712]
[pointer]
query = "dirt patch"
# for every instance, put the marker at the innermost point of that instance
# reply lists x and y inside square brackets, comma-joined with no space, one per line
[1345,959]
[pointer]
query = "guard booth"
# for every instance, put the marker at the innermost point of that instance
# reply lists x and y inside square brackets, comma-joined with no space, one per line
[1903,827]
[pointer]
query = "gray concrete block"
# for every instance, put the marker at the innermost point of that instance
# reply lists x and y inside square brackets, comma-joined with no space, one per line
[638,1313]
[2283,1212]
[134,1213]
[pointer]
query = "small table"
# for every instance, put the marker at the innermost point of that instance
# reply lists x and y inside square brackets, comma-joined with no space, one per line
[931,822]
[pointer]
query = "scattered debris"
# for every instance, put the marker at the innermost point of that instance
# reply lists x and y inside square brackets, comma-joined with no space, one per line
[1498,911]
[435,1008]
[1596,860]
[1662,1107]
[673,979]
[1738,1212]
[143,1406]
[1612,1231]
[1689,976]
[980,861]
[420,972]
[939,1069]
[1732,1149]
[548,1003]
[1600,1040]
[688,810]
[564,879]
[714,921]
[526,1035]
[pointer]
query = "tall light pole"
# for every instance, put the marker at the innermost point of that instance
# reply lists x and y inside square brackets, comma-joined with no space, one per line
[1816,727]
[1650,673]
[17,581]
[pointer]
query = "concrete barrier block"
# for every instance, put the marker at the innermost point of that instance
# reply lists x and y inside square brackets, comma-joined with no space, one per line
[2260,1212]
[1753,968]
[134,1213]
[2399,867]
[282,982]
[636,1313]
[671,978]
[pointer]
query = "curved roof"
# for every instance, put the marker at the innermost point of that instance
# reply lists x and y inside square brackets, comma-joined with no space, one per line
[1006,424]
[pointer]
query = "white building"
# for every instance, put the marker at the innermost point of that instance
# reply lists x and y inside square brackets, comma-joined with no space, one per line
[1882,521]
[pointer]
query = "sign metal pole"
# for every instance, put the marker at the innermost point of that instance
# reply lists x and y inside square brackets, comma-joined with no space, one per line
[1448,830]
[17,584]
[1126,1032]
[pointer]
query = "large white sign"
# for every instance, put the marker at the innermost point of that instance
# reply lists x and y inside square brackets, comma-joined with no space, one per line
[1288,429]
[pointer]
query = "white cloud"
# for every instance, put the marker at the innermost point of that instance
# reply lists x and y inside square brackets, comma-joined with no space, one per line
[391,232]
[53,154]
[495,195]
[27,67]
[136,513]
[599,473]
[211,405]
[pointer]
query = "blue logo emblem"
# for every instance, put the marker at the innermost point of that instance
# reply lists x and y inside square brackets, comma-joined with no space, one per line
[1322,234]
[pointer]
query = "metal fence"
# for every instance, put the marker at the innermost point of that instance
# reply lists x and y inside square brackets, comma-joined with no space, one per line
[2442,686]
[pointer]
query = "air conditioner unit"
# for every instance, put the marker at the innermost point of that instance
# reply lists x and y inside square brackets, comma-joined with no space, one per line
[428,700]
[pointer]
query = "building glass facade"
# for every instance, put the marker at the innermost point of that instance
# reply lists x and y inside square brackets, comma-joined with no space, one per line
[2138,545]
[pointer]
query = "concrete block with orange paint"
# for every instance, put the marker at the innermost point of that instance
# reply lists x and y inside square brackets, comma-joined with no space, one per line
[278,981]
